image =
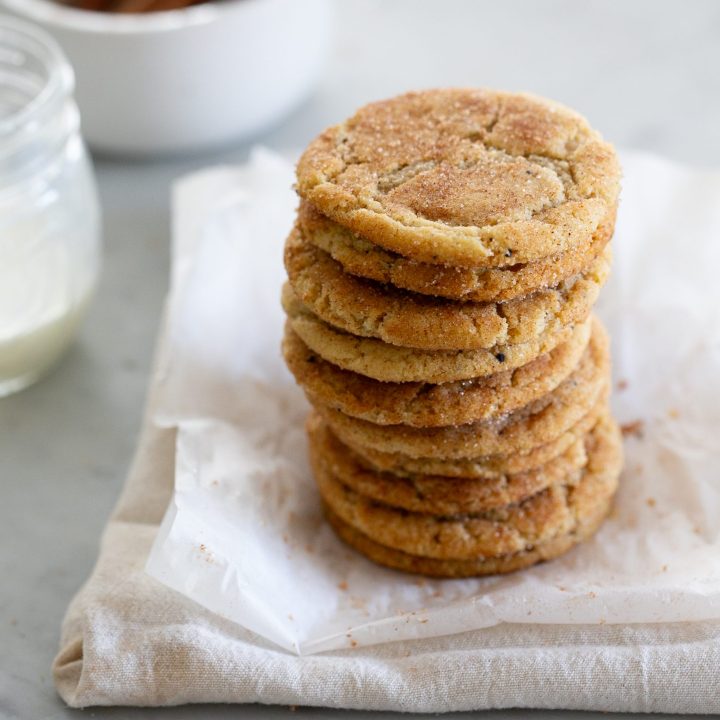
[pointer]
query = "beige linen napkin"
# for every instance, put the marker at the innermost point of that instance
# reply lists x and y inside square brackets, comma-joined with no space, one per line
[127,639]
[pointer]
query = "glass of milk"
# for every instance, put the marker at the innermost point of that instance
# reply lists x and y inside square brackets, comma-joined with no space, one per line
[49,212]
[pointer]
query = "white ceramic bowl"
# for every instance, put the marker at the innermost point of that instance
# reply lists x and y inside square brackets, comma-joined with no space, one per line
[188,79]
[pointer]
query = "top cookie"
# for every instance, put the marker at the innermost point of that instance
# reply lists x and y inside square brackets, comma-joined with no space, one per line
[472,178]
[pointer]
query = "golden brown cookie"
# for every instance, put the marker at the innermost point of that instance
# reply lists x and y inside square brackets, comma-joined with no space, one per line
[427,405]
[360,257]
[502,531]
[587,525]
[528,427]
[440,495]
[364,308]
[475,178]
[487,466]
[391,363]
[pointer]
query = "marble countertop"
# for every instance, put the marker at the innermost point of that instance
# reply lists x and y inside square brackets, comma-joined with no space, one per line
[644,72]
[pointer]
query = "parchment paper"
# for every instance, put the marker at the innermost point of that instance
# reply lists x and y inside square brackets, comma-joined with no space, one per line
[244,535]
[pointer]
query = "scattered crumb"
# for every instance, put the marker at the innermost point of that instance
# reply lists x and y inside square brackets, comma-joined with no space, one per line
[353,643]
[529,612]
[422,622]
[602,621]
[651,502]
[697,530]
[342,585]
[634,428]
[348,635]
[290,616]
[664,568]
[286,539]
[358,603]
[673,413]
[421,582]
[209,555]
[292,708]
[592,595]
[562,588]
[309,549]
[622,385]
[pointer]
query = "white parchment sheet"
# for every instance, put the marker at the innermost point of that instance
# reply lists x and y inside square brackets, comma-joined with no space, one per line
[244,535]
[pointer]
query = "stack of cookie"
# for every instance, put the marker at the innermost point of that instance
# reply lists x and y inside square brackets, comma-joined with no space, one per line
[448,250]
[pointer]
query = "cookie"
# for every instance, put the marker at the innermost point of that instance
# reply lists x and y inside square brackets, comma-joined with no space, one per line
[439,495]
[502,531]
[367,309]
[534,424]
[587,525]
[468,177]
[487,466]
[360,257]
[392,363]
[427,405]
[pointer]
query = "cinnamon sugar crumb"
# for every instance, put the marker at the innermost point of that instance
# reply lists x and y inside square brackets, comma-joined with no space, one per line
[651,502]
[342,585]
[673,413]
[636,428]
[622,385]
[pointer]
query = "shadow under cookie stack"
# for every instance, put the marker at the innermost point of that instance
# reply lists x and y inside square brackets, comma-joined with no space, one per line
[448,250]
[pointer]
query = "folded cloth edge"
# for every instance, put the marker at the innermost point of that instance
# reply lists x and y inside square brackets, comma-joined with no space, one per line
[642,668]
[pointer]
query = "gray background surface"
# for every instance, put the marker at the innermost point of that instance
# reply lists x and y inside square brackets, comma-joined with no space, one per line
[647,73]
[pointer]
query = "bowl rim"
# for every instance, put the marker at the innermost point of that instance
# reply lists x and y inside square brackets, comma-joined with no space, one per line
[51,12]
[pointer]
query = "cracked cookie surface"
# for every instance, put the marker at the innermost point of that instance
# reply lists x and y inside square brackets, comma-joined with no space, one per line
[482,466]
[519,431]
[474,178]
[426,404]
[441,495]
[383,361]
[555,511]
[360,257]
[364,308]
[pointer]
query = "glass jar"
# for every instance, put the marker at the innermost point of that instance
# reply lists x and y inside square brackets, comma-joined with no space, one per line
[49,211]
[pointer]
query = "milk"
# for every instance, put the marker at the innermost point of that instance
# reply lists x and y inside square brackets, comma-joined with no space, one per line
[49,210]
[43,298]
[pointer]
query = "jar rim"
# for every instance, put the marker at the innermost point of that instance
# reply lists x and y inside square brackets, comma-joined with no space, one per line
[58,82]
